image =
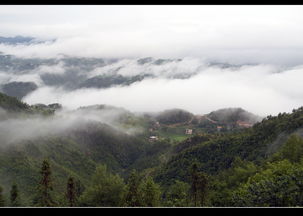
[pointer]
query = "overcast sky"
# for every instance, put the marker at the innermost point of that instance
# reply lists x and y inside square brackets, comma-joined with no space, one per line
[270,34]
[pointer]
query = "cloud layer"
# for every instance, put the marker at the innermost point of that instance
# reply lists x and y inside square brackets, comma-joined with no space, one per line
[261,89]
[16,129]
[269,37]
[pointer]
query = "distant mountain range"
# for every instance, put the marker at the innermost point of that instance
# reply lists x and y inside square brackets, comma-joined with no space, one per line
[17,40]
[71,73]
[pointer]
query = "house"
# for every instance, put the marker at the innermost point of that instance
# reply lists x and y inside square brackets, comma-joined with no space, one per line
[219,128]
[153,138]
[189,131]
[244,124]
[157,125]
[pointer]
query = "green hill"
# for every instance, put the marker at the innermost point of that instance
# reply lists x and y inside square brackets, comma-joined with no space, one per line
[12,104]
[174,116]
[217,154]
[254,166]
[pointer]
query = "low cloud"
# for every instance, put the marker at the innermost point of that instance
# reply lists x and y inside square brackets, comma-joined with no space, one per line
[264,41]
[261,89]
[15,129]
[169,67]
[52,69]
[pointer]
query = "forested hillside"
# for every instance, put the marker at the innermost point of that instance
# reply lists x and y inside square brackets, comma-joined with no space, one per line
[88,162]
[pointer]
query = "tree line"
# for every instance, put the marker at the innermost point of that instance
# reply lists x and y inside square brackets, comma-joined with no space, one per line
[277,181]
[110,190]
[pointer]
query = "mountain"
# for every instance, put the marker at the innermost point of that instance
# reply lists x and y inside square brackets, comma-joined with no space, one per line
[232,115]
[12,104]
[109,81]
[19,89]
[75,151]
[252,144]
[22,40]
[174,116]
[76,142]
[72,73]
[16,40]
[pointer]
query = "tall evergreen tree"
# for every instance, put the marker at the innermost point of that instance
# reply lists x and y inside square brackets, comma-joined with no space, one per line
[194,183]
[150,192]
[177,194]
[79,187]
[45,186]
[132,196]
[14,196]
[199,183]
[202,188]
[106,190]
[71,192]
[2,201]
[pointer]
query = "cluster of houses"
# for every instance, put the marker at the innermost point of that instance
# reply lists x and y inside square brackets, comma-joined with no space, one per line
[244,124]
[189,131]
[156,125]
[219,128]
[238,123]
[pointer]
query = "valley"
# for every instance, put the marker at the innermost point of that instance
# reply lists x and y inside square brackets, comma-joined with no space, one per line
[159,145]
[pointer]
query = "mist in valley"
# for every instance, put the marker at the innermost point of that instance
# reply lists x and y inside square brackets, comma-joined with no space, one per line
[199,59]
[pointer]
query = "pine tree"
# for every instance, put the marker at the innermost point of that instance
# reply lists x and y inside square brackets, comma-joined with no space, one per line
[202,188]
[80,188]
[177,194]
[2,201]
[194,183]
[199,183]
[151,193]
[45,186]
[132,196]
[14,196]
[71,192]
[106,189]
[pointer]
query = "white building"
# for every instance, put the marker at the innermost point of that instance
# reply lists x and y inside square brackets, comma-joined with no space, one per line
[153,138]
[189,131]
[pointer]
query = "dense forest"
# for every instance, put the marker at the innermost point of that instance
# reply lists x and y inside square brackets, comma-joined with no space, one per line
[99,164]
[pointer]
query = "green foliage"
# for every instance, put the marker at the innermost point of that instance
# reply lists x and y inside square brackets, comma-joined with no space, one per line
[150,193]
[218,153]
[243,168]
[223,185]
[199,184]
[106,189]
[79,188]
[240,172]
[71,194]
[280,184]
[174,116]
[133,196]
[292,150]
[231,115]
[12,104]
[2,201]
[14,196]
[177,194]
[45,197]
